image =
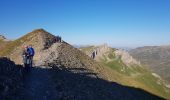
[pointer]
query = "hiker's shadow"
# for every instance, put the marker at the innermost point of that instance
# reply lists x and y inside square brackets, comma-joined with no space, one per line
[82,85]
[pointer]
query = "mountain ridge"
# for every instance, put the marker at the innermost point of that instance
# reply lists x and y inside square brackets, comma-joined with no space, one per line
[73,68]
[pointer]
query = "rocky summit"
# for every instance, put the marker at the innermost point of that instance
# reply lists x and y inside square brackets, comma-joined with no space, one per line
[62,72]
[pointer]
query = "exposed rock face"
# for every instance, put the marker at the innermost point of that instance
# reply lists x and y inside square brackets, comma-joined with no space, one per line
[99,52]
[10,78]
[155,58]
[96,52]
[48,55]
[126,57]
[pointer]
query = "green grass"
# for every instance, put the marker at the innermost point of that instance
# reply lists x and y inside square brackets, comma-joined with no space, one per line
[143,76]
[151,81]
[87,49]
[111,56]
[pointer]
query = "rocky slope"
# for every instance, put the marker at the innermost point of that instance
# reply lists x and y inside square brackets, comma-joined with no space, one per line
[11,76]
[80,77]
[155,58]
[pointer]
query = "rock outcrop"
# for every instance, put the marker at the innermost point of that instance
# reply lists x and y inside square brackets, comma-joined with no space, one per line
[126,58]
[99,52]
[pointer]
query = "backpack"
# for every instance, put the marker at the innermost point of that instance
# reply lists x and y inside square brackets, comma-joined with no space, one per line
[31,51]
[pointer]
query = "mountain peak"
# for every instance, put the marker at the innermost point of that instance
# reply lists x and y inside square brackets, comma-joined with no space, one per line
[41,35]
[39,39]
[39,30]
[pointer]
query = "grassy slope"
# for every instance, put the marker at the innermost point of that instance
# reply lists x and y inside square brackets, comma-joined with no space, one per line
[12,45]
[133,76]
[3,44]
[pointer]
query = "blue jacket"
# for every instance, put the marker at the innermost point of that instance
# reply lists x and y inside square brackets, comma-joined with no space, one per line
[31,51]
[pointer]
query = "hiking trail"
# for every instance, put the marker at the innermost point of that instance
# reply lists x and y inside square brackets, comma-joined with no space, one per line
[38,85]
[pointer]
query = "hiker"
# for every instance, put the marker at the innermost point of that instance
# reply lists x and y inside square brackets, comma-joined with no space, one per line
[60,38]
[93,55]
[31,53]
[26,58]
[57,38]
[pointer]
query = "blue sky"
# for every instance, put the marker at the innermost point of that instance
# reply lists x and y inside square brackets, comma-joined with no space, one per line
[120,23]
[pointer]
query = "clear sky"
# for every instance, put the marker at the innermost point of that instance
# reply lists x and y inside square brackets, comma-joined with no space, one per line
[120,23]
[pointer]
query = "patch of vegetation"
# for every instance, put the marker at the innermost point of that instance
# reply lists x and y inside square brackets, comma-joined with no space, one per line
[87,49]
[111,55]
[152,82]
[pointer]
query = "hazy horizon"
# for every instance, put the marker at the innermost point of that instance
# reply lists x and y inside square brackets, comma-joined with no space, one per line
[124,23]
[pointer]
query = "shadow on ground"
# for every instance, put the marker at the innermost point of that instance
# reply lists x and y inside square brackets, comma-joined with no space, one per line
[83,86]
[44,83]
[11,77]
[37,85]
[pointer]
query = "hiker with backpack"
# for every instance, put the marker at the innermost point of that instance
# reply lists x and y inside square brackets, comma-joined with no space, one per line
[31,53]
[26,58]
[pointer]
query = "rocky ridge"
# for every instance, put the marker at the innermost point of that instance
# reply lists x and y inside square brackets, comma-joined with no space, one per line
[126,58]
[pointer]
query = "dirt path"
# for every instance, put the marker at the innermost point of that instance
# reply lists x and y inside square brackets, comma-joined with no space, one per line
[38,85]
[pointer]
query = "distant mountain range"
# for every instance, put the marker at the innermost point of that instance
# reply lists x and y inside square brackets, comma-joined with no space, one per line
[155,58]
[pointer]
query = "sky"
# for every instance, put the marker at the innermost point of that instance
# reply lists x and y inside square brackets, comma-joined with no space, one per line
[120,23]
